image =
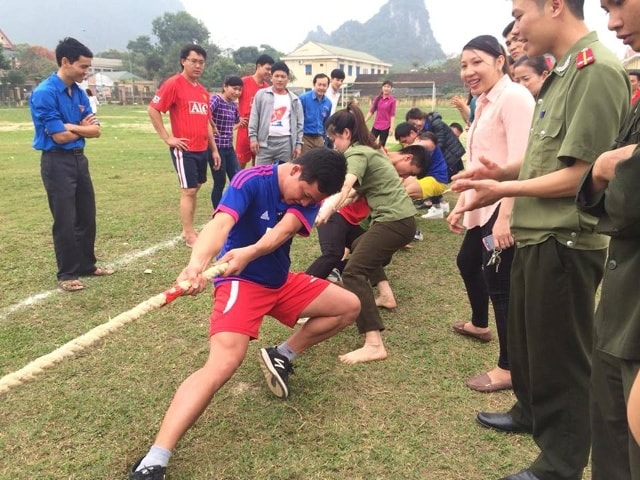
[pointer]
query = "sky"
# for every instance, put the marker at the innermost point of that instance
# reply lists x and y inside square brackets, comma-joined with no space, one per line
[454,22]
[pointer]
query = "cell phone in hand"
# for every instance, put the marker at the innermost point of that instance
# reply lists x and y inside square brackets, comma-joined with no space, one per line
[488,243]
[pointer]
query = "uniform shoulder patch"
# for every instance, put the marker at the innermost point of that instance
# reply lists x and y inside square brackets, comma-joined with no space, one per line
[585,57]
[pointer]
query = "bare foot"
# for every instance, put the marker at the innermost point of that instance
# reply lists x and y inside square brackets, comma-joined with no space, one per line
[499,375]
[189,239]
[368,353]
[386,302]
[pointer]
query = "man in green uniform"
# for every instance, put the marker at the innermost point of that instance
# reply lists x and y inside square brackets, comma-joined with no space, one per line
[610,191]
[560,257]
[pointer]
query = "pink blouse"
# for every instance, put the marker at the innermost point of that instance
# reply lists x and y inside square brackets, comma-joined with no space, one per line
[499,132]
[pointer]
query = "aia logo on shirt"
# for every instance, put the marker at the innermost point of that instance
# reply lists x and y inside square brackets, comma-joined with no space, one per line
[197,108]
[156,99]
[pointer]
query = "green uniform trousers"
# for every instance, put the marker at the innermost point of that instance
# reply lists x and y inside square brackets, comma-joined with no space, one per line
[615,454]
[550,335]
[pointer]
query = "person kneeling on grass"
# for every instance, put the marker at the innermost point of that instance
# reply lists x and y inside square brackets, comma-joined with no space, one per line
[260,212]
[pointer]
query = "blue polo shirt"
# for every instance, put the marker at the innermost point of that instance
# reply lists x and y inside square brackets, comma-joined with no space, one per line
[253,199]
[52,107]
[316,111]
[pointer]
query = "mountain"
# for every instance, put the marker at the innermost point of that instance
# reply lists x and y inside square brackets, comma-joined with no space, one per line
[400,33]
[100,25]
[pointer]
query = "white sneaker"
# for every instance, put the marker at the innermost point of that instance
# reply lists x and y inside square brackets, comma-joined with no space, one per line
[334,276]
[433,212]
[445,207]
[418,236]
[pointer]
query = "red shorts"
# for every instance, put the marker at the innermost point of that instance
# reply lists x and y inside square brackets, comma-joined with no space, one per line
[240,306]
[243,146]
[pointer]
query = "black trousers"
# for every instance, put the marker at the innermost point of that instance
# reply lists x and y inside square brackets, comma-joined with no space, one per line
[66,179]
[333,237]
[550,339]
[484,282]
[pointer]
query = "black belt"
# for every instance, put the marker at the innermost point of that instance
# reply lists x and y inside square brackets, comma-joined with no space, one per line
[72,151]
[313,135]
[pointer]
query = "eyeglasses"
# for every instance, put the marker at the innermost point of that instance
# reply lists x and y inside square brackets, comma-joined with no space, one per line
[195,61]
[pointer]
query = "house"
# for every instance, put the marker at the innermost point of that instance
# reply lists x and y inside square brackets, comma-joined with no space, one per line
[5,43]
[312,58]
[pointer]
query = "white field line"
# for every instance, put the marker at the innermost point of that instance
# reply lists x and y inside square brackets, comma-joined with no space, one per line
[122,261]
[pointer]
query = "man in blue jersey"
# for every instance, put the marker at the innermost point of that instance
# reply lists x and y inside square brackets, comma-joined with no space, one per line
[252,228]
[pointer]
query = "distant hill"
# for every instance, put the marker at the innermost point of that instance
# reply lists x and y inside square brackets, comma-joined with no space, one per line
[400,33]
[100,25]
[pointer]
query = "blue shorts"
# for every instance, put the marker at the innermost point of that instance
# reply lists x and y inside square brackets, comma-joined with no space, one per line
[191,166]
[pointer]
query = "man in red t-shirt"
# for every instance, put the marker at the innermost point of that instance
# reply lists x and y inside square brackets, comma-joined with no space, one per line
[191,141]
[251,85]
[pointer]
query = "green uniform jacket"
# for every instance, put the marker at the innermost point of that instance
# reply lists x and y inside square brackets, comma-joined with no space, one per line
[379,183]
[567,125]
[617,325]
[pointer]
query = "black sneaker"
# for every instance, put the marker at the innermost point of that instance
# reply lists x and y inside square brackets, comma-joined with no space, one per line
[276,369]
[155,472]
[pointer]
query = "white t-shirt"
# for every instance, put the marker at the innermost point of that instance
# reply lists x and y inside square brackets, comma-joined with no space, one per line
[280,123]
[334,96]
[93,101]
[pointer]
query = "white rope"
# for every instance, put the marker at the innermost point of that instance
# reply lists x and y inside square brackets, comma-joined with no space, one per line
[77,345]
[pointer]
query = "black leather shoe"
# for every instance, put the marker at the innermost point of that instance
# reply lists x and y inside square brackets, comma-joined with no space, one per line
[502,422]
[523,475]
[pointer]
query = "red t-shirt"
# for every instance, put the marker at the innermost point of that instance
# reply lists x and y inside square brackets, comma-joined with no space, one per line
[249,90]
[188,107]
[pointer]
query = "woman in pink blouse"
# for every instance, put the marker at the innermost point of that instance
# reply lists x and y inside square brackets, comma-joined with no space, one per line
[499,132]
[384,107]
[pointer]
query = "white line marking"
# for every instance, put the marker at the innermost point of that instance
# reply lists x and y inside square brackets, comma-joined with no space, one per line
[123,261]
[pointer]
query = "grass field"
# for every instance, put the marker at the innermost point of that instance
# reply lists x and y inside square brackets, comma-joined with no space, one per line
[90,417]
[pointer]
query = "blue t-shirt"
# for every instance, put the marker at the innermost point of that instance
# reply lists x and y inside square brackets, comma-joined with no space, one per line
[253,199]
[316,111]
[438,168]
[52,107]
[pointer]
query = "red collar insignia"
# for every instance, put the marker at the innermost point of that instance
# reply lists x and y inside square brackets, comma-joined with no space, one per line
[585,57]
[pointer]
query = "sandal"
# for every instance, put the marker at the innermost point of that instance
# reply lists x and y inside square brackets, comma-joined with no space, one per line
[71,285]
[102,272]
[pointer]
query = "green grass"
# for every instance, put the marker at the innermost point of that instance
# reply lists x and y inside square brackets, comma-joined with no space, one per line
[410,417]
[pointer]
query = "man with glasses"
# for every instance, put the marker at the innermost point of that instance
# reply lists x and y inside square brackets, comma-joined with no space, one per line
[191,141]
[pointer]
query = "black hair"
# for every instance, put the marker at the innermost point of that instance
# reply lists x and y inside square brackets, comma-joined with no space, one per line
[72,50]
[404,129]
[420,157]
[415,114]
[264,59]
[539,63]
[233,81]
[508,28]
[279,66]
[187,49]
[456,125]
[319,76]
[489,45]
[634,72]
[351,118]
[426,135]
[338,73]
[325,166]
[575,6]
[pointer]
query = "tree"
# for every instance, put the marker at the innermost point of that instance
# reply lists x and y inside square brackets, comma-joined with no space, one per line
[4,63]
[178,29]
[35,62]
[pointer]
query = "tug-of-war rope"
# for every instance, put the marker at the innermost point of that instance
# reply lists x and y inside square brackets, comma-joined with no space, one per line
[75,346]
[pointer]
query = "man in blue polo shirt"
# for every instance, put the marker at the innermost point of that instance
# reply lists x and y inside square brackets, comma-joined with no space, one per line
[252,228]
[316,107]
[63,118]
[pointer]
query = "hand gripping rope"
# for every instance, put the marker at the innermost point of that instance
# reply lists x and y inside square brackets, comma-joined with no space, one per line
[75,346]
